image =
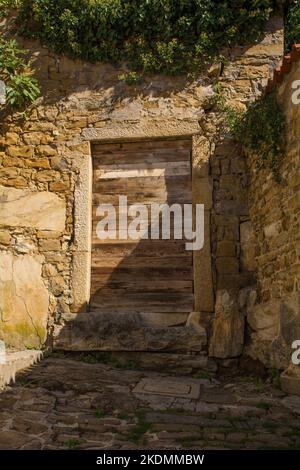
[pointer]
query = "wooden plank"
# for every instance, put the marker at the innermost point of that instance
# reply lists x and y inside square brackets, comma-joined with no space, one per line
[114,287]
[126,274]
[148,248]
[142,170]
[170,197]
[172,185]
[97,242]
[142,261]
[123,210]
[146,297]
[143,145]
[108,157]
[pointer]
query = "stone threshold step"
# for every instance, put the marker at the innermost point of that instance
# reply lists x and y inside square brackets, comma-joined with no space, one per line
[99,331]
[15,362]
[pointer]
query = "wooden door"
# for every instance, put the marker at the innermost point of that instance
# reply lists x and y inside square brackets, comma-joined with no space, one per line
[150,277]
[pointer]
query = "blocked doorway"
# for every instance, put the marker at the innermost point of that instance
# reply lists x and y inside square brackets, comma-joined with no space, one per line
[151,277]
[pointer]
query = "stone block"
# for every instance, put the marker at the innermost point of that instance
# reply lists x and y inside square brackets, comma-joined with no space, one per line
[20,151]
[227,265]
[23,208]
[226,248]
[290,380]
[45,176]
[38,163]
[50,245]
[99,331]
[15,362]
[201,156]
[228,327]
[264,319]
[5,237]
[24,301]
[202,192]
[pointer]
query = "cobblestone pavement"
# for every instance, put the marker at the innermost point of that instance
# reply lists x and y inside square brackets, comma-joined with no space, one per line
[63,403]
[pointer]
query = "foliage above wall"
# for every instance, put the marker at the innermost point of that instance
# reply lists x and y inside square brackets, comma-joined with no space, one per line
[261,130]
[170,36]
[293,24]
[21,87]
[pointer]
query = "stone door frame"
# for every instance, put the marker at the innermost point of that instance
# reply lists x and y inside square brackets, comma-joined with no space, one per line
[202,194]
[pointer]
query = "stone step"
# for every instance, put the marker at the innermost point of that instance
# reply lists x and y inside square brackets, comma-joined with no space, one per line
[168,362]
[15,362]
[98,331]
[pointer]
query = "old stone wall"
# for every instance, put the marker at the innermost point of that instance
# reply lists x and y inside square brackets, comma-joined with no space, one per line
[45,165]
[274,319]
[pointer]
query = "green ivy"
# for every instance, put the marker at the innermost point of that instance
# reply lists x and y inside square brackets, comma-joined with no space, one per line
[21,88]
[261,130]
[169,36]
[292,26]
[7,5]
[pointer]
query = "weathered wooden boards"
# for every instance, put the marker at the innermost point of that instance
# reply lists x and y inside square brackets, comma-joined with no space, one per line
[145,276]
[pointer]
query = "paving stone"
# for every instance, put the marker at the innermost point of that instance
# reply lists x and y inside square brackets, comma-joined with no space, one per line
[170,387]
[69,404]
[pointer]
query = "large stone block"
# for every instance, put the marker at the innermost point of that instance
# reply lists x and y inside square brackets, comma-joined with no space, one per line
[290,380]
[98,331]
[276,326]
[228,327]
[23,208]
[289,315]
[24,301]
[264,319]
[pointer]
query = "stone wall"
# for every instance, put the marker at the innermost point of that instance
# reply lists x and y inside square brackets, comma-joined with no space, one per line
[45,165]
[274,319]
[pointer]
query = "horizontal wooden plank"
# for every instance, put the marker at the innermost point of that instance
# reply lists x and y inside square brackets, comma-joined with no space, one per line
[146,197]
[146,296]
[130,274]
[142,170]
[97,242]
[114,287]
[143,145]
[120,209]
[142,261]
[173,185]
[150,248]
[109,157]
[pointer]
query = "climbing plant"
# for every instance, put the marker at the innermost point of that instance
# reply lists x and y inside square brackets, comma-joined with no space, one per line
[262,129]
[7,5]
[292,26]
[15,71]
[21,88]
[170,36]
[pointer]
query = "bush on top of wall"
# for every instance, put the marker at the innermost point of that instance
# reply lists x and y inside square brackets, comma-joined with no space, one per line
[169,36]
[293,24]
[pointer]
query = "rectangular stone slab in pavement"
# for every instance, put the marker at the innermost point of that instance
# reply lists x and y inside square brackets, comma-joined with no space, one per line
[168,387]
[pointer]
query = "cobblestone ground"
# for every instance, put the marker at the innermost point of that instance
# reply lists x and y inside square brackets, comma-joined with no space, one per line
[63,403]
